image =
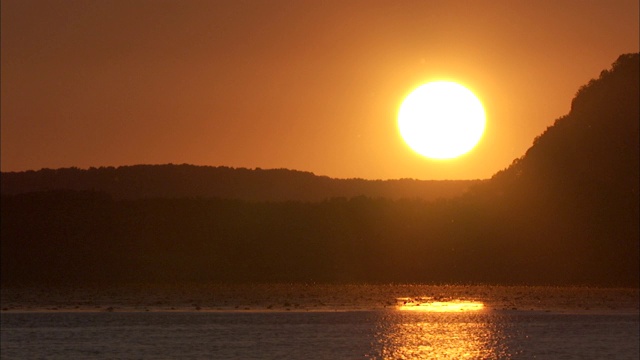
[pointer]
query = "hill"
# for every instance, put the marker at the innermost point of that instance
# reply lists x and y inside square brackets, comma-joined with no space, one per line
[177,181]
[591,150]
[571,202]
[566,212]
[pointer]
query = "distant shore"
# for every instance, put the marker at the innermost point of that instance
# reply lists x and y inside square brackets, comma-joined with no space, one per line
[312,297]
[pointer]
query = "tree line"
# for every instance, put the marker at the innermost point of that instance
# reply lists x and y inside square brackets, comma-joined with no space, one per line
[176,181]
[567,212]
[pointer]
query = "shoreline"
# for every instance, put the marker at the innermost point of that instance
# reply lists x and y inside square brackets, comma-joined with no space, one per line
[313,298]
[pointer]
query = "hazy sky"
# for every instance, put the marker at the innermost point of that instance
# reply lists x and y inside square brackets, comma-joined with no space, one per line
[300,84]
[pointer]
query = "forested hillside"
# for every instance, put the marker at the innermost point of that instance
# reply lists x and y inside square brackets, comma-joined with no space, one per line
[573,197]
[566,212]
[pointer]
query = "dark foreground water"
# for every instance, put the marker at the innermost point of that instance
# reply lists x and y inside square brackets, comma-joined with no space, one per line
[418,327]
[319,335]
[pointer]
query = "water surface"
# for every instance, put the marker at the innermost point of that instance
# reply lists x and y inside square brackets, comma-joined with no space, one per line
[359,322]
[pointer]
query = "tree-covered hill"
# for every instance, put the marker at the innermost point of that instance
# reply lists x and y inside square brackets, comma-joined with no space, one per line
[566,212]
[573,196]
[591,150]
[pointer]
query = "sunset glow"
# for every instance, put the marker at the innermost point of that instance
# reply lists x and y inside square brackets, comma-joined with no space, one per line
[303,85]
[317,180]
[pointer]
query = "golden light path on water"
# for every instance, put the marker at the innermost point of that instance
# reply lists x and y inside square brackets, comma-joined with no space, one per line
[427,304]
[426,328]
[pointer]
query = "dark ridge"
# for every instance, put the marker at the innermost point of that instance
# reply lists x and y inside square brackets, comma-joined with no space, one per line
[177,181]
[571,202]
[566,213]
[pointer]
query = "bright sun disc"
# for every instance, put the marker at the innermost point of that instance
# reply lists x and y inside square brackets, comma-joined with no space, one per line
[441,120]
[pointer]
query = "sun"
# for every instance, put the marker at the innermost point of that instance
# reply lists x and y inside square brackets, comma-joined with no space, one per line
[441,120]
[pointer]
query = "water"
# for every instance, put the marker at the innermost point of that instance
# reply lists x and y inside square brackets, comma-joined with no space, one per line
[407,329]
[318,335]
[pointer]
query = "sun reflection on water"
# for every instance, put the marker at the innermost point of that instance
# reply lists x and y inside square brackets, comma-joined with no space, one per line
[426,328]
[428,304]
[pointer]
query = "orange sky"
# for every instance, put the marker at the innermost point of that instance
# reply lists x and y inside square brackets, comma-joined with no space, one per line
[301,84]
